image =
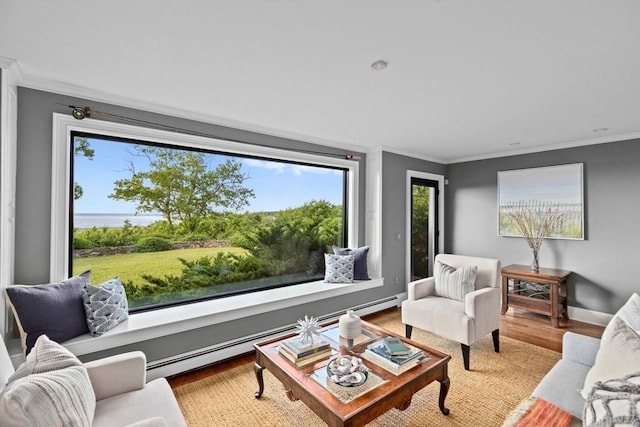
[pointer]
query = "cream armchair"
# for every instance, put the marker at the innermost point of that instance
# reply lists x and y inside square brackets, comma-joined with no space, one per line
[123,397]
[463,321]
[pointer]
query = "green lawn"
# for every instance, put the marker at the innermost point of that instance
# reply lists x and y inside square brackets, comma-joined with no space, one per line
[129,267]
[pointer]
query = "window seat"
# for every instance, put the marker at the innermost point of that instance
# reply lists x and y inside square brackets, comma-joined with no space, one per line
[157,323]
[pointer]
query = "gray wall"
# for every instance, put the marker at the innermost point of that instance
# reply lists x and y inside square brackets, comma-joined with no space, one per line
[33,214]
[604,264]
[394,183]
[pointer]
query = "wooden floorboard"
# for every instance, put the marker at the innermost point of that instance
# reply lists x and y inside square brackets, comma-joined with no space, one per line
[517,324]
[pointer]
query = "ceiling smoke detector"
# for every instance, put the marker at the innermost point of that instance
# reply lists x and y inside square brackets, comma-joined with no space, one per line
[379,65]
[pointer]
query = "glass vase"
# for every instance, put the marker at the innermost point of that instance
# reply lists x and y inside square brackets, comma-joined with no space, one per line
[535,265]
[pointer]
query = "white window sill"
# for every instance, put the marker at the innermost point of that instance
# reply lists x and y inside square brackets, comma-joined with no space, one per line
[173,320]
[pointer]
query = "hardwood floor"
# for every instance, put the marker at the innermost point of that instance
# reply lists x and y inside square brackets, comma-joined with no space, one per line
[517,324]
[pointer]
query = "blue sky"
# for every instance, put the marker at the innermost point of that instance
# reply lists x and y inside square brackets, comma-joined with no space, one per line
[276,185]
[552,184]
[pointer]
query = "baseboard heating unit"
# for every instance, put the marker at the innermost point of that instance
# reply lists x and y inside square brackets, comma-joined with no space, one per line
[206,356]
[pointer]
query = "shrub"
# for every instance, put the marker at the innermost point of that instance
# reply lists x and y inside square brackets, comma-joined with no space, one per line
[81,242]
[153,244]
[195,237]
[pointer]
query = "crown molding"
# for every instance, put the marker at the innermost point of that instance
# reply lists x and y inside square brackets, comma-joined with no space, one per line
[414,155]
[6,62]
[14,71]
[67,89]
[551,147]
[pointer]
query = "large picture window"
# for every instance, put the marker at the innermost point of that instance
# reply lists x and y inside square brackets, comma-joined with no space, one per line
[181,218]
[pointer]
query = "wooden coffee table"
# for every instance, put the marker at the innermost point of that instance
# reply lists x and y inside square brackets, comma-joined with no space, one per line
[389,391]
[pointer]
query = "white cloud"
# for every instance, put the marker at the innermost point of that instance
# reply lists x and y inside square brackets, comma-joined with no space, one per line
[296,170]
[255,163]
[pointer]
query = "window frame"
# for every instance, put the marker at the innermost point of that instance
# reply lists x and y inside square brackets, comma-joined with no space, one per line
[64,125]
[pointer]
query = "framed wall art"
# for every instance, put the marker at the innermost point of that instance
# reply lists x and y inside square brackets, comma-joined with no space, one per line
[541,191]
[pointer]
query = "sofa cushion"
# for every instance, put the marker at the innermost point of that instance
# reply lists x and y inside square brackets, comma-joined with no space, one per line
[150,422]
[53,309]
[454,283]
[63,397]
[338,268]
[617,356]
[614,402]
[360,267]
[105,306]
[156,399]
[561,384]
[6,366]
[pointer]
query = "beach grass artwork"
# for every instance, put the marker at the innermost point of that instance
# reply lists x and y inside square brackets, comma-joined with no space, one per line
[544,189]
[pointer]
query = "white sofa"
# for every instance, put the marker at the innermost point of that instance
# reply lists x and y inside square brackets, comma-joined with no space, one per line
[561,383]
[123,397]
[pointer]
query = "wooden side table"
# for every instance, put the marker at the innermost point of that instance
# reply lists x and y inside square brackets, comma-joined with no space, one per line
[543,292]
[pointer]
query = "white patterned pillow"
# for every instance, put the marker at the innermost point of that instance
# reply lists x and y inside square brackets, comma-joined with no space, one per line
[338,268]
[45,356]
[629,313]
[454,283]
[617,356]
[51,388]
[56,398]
[614,402]
[105,305]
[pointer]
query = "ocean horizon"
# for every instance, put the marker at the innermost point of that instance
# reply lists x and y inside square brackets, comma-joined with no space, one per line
[89,220]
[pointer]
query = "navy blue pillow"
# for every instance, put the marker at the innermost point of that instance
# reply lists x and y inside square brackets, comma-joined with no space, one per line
[360,269]
[54,309]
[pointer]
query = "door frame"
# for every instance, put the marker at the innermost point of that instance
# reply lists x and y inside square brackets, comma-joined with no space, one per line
[440,180]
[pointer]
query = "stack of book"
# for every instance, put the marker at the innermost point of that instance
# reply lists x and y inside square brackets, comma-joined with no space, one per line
[302,353]
[394,355]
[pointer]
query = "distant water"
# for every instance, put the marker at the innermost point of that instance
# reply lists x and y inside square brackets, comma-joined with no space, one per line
[88,220]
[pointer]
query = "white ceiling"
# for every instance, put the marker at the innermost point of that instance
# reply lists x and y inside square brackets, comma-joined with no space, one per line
[466,79]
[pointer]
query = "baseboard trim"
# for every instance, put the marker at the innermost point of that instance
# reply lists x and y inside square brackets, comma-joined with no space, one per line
[575,313]
[589,316]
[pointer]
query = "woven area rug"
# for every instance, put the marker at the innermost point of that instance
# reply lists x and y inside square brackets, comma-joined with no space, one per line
[483,396]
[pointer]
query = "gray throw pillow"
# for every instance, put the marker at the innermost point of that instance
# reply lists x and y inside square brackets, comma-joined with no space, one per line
[360,268]
[105,306]
[338,268]
[53,309]
[452,282]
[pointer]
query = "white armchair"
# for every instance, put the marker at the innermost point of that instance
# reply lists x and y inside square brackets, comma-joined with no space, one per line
[123,397]
[463,321]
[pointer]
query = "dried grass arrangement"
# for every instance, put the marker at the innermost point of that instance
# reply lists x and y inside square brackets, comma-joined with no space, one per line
[534,226]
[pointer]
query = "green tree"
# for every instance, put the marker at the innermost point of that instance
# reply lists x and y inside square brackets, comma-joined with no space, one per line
[420,231]
[296,238]
[181,186]
[83,148]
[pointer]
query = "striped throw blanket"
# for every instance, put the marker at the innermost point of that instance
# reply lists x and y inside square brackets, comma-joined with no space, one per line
[535,412]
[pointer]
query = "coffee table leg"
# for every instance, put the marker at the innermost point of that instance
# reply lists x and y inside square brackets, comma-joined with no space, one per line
[258,370]
[444,389]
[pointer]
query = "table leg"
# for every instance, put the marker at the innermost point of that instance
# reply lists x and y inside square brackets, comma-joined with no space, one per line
[554,305]
[258,370]
[565,312]
[505,304]
[444,389]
